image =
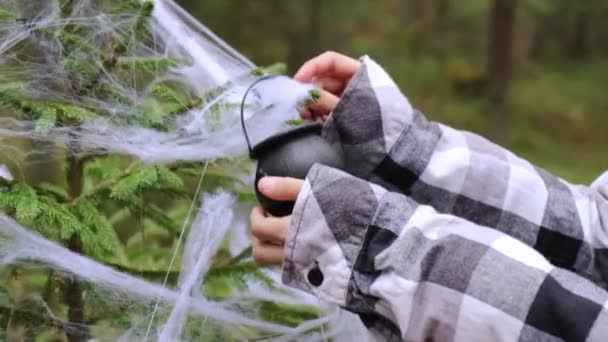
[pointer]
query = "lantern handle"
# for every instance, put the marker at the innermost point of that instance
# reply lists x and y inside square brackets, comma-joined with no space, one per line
[263,78]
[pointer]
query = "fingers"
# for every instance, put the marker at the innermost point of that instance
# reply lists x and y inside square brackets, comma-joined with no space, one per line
[280,188]
[266,254]
[328,64]
[330,72]
[269,229]
[268,237]
[330,84]
[320,108]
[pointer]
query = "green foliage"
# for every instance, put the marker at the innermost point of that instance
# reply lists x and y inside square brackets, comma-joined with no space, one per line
[313,96]
[105,238]
[126,7]
[6,15]
[47,118]
[273,69]
[9,97]
[74,43]
[68,113]
[151,65]
[81,73]
[54,190]
[288,314]
[169,102]
[46,114]
[222,280]
[25,202]
[109,92]
[143,19]
[57,221]
[166,93]
[168,177]
[540,6]
[144,177]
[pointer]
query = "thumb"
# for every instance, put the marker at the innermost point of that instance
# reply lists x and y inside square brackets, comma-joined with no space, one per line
[280,188]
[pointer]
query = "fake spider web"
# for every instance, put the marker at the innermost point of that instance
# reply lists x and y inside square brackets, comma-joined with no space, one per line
[145,81]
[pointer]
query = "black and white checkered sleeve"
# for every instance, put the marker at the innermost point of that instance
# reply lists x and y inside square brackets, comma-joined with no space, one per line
[387,142]
[414,274]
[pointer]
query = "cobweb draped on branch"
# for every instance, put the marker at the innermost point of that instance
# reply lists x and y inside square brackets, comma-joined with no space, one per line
[141,81]
[162,88]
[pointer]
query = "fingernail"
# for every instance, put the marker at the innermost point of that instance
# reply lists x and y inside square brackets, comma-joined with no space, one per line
[266,184]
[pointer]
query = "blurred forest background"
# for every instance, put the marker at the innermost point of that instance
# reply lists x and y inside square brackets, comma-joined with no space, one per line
[529,74]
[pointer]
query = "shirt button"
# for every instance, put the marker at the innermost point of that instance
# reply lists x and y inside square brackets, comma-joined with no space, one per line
[315,276]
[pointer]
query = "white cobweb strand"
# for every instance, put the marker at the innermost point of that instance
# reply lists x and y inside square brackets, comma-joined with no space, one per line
[17,244]
[273,102]
[206,235]
[213,60]
[5,173]
[212,64]
[185,39]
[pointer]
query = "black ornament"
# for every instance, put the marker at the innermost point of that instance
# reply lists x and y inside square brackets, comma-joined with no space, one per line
[290,154]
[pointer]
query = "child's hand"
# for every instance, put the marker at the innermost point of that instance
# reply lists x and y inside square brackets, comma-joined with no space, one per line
[269,233]
[330,72]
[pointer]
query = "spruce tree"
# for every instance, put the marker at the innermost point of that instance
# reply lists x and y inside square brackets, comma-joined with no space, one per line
[112,208]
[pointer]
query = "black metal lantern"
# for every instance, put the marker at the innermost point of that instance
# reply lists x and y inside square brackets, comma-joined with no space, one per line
[289,154]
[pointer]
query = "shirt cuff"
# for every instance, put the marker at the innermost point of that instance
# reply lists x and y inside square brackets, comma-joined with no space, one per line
[369,118]
[328,227]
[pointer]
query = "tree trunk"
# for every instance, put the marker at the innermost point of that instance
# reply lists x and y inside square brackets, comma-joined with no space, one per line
[314,26]
[500,65]
[580,46]
[442,20]
[74,293]
[304,37]
[76,314]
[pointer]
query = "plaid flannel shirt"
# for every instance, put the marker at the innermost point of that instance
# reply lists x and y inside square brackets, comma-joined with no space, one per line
[438,234]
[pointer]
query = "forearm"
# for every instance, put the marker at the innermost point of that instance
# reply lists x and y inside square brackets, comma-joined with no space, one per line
[417,274]
[389,143]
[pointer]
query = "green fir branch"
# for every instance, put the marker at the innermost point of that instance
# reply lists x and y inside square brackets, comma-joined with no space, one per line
[244,254]
[109,92]
[107,184]
[54,190]
[273,69]
[126,6]
[47,118]
[180,108]
[6,15]
[105,239]
[172,103]
[144,176]
[142,23]
[26,205]
[288,314]
[80,73]
[73,43]
[168,177]
[313,96]
[158,216]
[166,93]
[55,220]
[71,113]
[154,65]
[10,98]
